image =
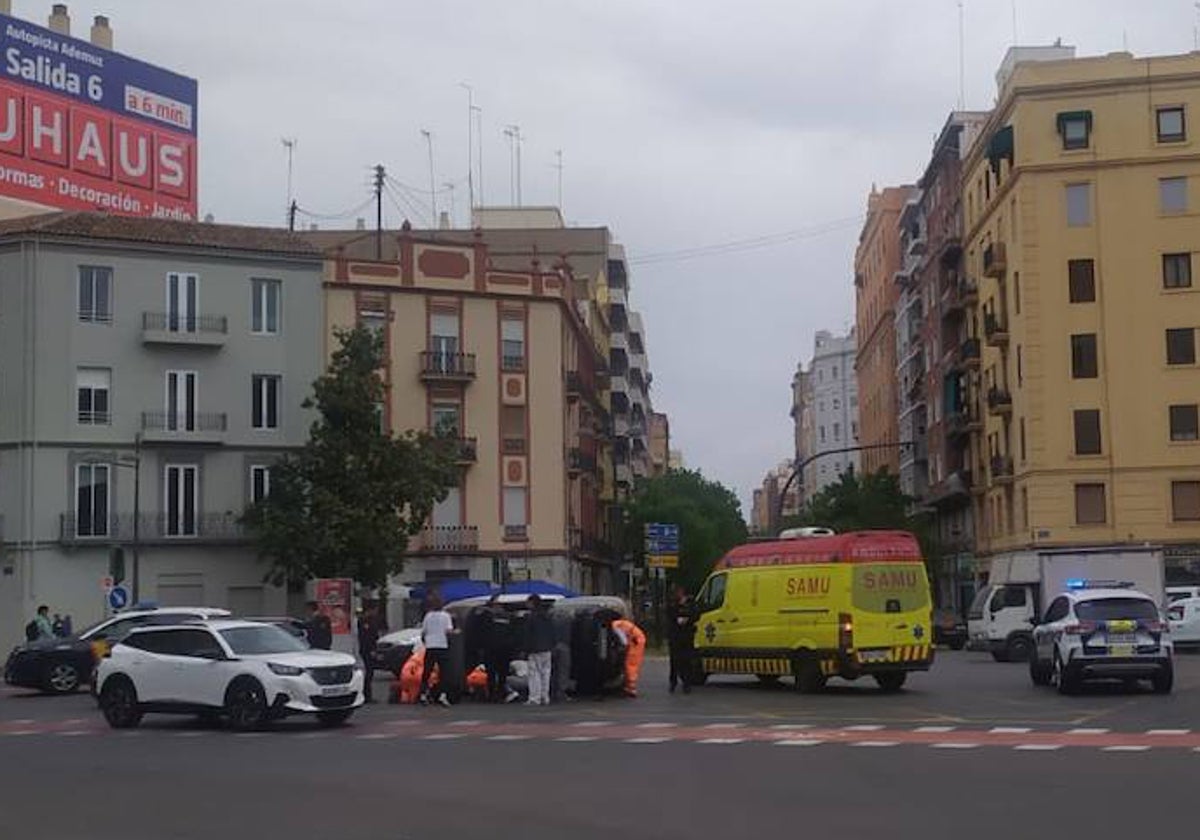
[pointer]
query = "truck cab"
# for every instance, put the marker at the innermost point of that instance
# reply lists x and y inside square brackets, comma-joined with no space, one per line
[1000,621]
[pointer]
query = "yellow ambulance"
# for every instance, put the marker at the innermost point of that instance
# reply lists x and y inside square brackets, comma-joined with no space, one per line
[845,605]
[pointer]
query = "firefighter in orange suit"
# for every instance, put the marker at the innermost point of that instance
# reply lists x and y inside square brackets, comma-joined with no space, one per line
[635,652]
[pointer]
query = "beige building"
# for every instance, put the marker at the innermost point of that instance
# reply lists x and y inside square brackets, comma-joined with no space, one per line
[660,443]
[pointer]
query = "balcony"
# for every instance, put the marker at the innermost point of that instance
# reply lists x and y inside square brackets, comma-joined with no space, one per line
[447,367]
[585,543]
[996,330]
[961,424]
[466,450]
[916,387]
[152,528]
[1002,469]
[512,445]
[183,427]
[184,330]
[958,297]
[999,402]
[995,260]
[916,245]
[516,533]
[579,461]
[450,538]
[512,363]
[968,353]
[969,292]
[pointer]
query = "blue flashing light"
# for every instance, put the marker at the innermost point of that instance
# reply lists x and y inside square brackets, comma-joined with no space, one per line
[1081,583]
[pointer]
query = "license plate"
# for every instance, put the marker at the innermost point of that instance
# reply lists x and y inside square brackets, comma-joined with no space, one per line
[1122,639]
[875,655]
[333,690]
[1122,650]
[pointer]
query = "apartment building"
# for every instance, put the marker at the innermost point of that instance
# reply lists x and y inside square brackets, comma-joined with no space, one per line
[150,374]
[825,411]
[660,443]
[775,500]
[493,348]
[1081,198]
[876,261]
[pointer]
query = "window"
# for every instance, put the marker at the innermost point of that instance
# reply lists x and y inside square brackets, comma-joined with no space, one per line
[92,387]
[1082,280]
[1058,610]
[820,405]
[198,644]
[1079,205]
[264,400]
[837,431]
[260,483]
[1025,507]
[1181,346]
[180,503]
[1172,195]
[1087,431]
[95,294]
[512,429]
[443,333]
[854,429]
[1185,501]
[1090,506]
[373,320]
[1172,128]
[1022,431]
[446,419]
[514,507]
[183,300]
[1177,271]
[1084,363]
[512,344]
[1184,422]
[448,512]
[713,597]
[822,434]
[266,296]
[833,372]
[1020,368]
[91,500]
[181,400]
[1076,129]
[1017,291]
[837,404]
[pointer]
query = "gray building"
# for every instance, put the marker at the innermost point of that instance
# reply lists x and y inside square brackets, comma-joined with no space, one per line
[174,353]
[825,410]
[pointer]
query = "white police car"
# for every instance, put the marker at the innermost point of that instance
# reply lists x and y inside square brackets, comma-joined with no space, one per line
[1102,631]
[248,672]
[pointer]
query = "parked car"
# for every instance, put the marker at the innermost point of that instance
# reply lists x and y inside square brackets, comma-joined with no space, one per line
[393,649]
[949,629]
[245,671]
[1184,617]
[1178,593]
[62,665]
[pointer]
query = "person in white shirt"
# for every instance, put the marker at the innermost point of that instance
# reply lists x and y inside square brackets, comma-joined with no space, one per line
[435,635]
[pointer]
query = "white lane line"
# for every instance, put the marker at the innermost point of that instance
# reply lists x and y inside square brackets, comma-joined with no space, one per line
[374,736]
[865,727]
[792,727]
[1086,731]
[17,732]
[1010,730]
[594,723]
[509,737]
[190,734]
[577,739]
[309,736]
[1038,747]
[1127,748]
[798,742]
[465,723]
[954,745]
[250,735]
[444,736]
[646,740]
[721,741]
[23,722]
[935,729]
[875,744]
[74,721]
[724,726]
[71,733]
[657,725]
[1168,732]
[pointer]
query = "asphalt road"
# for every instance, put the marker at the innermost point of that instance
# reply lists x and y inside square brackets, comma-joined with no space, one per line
[970,749]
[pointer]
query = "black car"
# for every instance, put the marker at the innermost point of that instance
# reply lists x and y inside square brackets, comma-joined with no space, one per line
[292,626]
[62,665]
[949,629]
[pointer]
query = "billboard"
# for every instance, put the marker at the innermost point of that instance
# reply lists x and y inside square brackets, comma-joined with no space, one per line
[85,128]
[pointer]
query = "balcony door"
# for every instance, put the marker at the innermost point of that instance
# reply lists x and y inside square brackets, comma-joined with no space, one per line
[183,291]
[181,401]
[91,500]
[443,339]
[180,502]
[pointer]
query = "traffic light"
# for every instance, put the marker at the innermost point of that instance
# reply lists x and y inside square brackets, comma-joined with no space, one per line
[116,563]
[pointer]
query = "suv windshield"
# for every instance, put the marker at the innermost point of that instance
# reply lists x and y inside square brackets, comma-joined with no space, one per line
[1116,609]
[249,641]
[976,611]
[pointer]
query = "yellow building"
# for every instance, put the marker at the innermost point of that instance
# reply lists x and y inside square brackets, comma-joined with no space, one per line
[1082,211]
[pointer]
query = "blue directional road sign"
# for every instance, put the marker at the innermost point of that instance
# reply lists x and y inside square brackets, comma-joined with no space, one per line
[662,531]
[118,597]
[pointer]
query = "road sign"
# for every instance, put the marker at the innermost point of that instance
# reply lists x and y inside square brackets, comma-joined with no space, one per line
[663,561]
[661,531]
[662,546]
[118,597]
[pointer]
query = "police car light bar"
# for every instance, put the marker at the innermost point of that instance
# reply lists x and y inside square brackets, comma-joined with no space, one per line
[1081,583]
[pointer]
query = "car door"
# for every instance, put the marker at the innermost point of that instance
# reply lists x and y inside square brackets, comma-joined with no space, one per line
[1044,632]
[199,663]
[713,625]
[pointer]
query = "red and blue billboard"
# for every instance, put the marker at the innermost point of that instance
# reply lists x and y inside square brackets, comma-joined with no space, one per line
[85,128]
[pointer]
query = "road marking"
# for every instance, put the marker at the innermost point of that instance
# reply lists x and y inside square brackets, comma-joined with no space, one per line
[865,727]
[935,729]
[722,741]
[1087,731]
[1009,730]
[577,739]
[798,742]
[1038,747]
[465,723]
[190,734]
[725,726]
[646,740]
[444,736]
[1168,732]
[74,721]
[657,725]
[71,733]
[587,723]
[374,736]
[874,743]
[308,736]
[792,727]
[1127,748]
[953,745]
[509,737]
[22,732]
[250,735]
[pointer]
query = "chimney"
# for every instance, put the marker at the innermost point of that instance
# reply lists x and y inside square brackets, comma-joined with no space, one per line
[444,220]
[60,21]
[102,35]
[209,218]
[360,223]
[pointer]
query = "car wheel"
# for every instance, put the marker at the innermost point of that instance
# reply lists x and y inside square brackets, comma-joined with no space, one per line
[1018,649]
[334,718]
[119,704]
[1040,673]
[809,679]
[1066,682]
[246,704]
[61,678]
[1164,680]
[1000,655]
[891,682]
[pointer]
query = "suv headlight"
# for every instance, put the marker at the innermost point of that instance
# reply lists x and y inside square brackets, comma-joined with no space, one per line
[285,670]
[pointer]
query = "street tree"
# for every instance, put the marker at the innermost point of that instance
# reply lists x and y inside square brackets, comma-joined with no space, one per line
[707,513]
[346,504]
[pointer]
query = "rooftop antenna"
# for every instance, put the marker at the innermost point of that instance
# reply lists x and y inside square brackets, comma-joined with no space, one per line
[470,147]
[513,133]
[1196,29]
[448,186]
[479,142]
[289,143]
[559,166]
[962,57]
[1014,22]
[428,135]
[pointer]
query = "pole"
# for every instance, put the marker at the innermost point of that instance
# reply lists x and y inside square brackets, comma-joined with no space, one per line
[520,203]
[137,517]
[432,185]
[292,208]
[289,143]
[799,467]
[559,167]
[511,133]
[448,186]
[380,173]
[470,149]
[962,58]
[479,143]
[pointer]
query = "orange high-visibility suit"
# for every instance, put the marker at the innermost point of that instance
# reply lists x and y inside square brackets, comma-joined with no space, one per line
[635,652]
[409,681]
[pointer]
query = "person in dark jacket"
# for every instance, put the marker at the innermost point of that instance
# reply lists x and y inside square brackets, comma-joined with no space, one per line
[370,628]
[539,645]
[681,637]
[318,628]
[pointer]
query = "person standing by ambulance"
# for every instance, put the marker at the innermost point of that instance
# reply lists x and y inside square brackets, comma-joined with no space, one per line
[681,639]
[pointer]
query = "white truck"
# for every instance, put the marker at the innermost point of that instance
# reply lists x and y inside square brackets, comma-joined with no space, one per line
[1021,585]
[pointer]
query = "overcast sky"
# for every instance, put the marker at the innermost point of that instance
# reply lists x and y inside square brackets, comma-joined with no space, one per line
[682,123]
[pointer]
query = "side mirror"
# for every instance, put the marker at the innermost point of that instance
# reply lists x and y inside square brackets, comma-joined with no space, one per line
[1034,621]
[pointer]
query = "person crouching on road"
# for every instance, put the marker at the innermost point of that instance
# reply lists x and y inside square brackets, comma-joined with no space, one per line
[681,634]
[435,635]
[635,652]
[539,644]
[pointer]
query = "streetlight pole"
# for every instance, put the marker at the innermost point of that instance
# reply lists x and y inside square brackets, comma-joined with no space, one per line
[799,468]
[136,465]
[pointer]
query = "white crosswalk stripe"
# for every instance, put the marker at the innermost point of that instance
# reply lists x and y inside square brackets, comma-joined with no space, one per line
[865,727]
[874,743]
[646,740]
[1038,747]
[1087,731]
[444,736]
[954,745]
[509,737]
[722,741]
[1010,730]
[1127,748]
[798,742]
[935,729]
[1168,732]
[577,739]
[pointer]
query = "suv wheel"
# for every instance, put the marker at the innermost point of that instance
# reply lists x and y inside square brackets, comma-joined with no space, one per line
[246,704]
[1164,680]
[1039,672]
[118,702]
[1018,649]
[1067,682]
[61,678]
[892,681]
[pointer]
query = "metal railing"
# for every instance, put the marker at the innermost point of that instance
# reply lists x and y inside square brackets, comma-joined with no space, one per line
[437,365]
[999,398]
[174,322]
[94,418]
[450,538]
[1002,466]
[151,527]
[512,363]
[182,421]
[512,445]
[516,532]
[580,461]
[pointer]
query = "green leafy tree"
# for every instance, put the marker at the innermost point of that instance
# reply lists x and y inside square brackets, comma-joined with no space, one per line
[346,504]
[707,513]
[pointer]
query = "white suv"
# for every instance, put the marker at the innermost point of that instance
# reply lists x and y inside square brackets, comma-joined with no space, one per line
[1102,634]
[246,671]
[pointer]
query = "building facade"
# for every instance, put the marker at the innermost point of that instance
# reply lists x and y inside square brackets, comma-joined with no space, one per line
[876,261]
[660,443]
[1080,203]
[828,413]
[162,360]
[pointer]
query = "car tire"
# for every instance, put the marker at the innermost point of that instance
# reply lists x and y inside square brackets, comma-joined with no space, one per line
[1018,649]
[61,678]
[1066,682]
[334,718]
[246,704]
[892,681]
[1000,655]
[119,703]
[809,679]
[1164,680]
[1040,673]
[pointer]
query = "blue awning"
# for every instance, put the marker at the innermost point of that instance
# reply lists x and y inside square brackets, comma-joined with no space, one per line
[457,590]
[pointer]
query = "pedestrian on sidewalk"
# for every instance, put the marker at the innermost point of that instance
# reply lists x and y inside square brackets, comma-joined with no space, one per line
[370,628]
[435,635]
[681,638]
[45,627]
[539,645]
[318,628]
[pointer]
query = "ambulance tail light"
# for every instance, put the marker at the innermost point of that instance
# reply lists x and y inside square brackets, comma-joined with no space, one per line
[845,631]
